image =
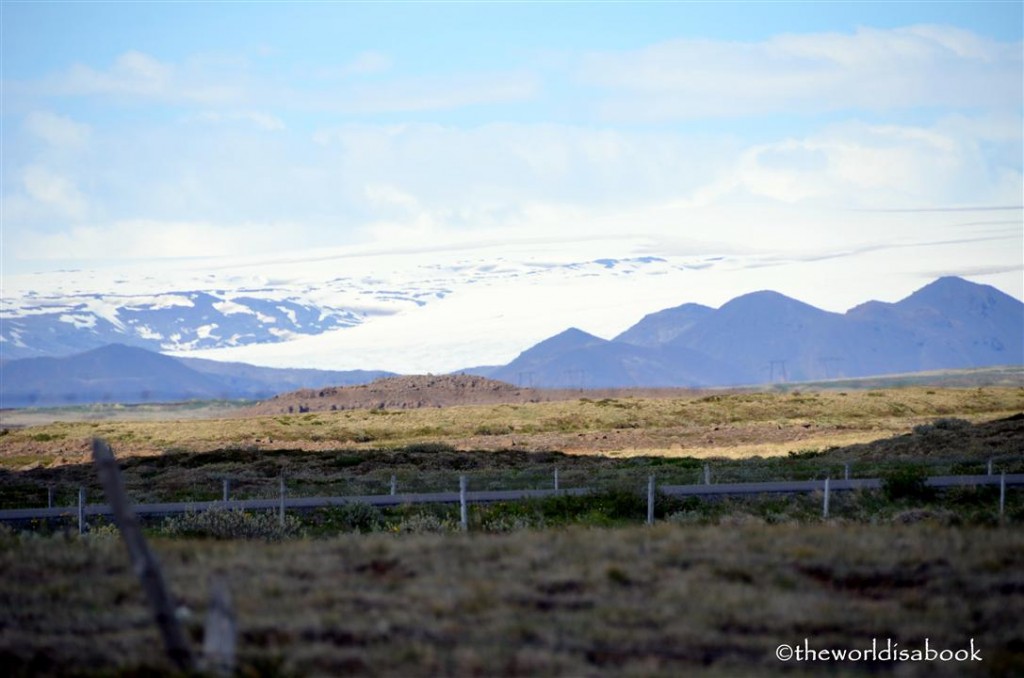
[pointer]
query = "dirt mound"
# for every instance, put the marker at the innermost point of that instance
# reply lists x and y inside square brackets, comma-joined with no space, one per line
[403,392]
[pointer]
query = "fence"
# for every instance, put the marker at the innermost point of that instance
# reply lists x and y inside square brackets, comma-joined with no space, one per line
[464,496]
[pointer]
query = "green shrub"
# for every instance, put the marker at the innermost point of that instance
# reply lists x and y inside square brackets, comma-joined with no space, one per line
[219,523]
[428,448]
[355,517]
[907,483]
[425,523]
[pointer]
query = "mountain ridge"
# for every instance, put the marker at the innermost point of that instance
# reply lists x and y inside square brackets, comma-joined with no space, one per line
[761,337]
[764,337]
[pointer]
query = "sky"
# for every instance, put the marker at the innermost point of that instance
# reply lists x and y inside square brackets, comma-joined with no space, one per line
[138,132]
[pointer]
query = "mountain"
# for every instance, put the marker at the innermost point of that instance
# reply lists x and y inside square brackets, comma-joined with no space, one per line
[948,323]
[167,320]
[663,326]
[246,308]
[765,337]
[114,373]
[575,359]
[128,374]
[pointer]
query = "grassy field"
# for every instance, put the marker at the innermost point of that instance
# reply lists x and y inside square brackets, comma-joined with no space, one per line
[723,425]
[660,601]
[565,586]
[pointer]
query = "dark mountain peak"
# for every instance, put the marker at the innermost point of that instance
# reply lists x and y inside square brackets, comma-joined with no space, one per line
[121,350]
[663,326]
[766,303]
[954,292]
[567,340]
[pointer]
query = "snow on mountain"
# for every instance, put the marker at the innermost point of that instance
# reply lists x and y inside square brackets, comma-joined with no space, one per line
[415,309]
[345,309]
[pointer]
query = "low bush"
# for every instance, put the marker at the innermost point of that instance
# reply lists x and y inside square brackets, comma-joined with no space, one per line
[907,482]
[224,524]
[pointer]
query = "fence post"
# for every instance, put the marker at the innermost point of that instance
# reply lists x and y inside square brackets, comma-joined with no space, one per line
[1002,494]
[281,511]
[990,467]
[144,563]
[824,510]
[227,489]
[463,512]
[220,631]
[846,471]
[707,474]
[49,496]
[81,510]
[556,480]
[394,485]
[650,499]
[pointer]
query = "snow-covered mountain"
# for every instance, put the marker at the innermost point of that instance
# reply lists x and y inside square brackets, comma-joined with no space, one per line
[417,309]
[229,309]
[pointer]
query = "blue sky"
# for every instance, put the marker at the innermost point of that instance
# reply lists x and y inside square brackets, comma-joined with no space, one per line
[153,130]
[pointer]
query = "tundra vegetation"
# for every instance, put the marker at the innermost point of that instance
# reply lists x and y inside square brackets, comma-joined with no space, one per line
[567,585]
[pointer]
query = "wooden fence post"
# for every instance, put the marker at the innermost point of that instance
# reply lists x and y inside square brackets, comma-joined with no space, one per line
[846,471]
[144,563]
[650,500]
[227,489]
[556,480]
[81,510]
[394,485]
[707,474]
[463,511]
[221,629]
[990,467]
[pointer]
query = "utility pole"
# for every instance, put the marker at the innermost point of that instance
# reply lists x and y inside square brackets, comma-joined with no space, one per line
[782,370]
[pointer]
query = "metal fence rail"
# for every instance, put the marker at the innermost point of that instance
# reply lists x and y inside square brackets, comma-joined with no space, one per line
[487,496]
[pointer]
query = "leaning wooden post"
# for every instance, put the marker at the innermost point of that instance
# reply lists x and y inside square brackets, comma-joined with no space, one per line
[650,500]
[824,510]
[221,629]
[143,562]
[81,510]
[463,512]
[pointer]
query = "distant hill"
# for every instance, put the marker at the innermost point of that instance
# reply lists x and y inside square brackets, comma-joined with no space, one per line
[767,337]
[252,381]
[128,374]
[114,373]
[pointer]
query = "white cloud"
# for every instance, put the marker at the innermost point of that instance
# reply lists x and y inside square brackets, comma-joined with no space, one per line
[60,131]
[153,239]
[261,120]
[367,63]
[135,74]
[883,166]
[870,69]
[54,191]
[434,93]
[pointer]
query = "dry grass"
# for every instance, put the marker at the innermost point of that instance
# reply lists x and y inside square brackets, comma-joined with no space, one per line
[727,425]
[667,600]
